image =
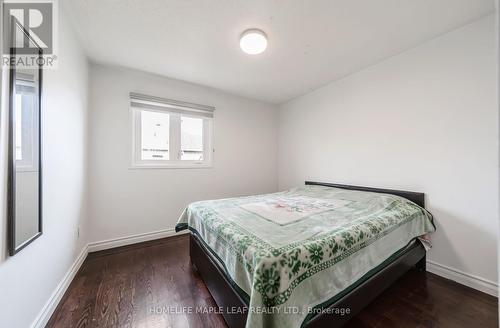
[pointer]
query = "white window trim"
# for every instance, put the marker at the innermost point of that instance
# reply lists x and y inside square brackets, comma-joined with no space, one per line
[174,144]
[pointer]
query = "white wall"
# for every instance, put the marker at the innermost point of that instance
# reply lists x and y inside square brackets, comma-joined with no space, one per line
[28,279]
[124,201]
[425,120]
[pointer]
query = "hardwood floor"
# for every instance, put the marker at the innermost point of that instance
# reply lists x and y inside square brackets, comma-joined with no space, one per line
[134,286]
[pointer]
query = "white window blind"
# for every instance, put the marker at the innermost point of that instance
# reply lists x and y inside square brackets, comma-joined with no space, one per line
[174,106]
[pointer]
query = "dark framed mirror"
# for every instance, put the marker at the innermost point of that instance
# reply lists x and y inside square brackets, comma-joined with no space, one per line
[24,146]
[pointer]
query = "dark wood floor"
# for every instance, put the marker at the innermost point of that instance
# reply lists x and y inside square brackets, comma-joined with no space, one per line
[135,285]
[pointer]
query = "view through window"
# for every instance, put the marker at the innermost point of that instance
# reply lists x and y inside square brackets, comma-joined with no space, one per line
[155,129]
[191,138]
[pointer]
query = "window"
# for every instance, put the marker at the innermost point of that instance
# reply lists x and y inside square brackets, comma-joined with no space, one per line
[26,129]
[169,133]
[19,127]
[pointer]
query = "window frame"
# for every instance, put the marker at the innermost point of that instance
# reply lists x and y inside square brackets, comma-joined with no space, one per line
[174,140]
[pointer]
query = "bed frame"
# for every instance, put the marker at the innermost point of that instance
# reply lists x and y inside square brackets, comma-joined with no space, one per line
[226,296]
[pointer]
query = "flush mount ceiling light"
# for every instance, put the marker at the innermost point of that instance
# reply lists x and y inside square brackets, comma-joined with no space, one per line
[253,42]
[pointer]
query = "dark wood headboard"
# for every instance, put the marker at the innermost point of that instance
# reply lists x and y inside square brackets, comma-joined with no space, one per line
[416,197]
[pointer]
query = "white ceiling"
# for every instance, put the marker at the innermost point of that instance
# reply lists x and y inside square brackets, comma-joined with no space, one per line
[310,42]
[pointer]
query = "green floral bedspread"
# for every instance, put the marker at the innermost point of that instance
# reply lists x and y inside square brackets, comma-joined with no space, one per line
[291,251]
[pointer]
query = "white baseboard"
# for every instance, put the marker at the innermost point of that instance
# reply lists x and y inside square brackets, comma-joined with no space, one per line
[123,241]
[57,295]
[49,308]
[481,284]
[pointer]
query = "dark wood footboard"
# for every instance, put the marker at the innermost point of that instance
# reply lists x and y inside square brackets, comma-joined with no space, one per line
[217,283]
[226,296]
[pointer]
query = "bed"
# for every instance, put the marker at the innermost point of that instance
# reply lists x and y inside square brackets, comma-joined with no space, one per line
[310,256]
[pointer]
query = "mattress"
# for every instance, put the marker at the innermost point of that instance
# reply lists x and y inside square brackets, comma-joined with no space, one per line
[291,251]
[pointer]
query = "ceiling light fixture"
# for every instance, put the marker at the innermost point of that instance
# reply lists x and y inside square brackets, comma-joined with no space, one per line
[253,42]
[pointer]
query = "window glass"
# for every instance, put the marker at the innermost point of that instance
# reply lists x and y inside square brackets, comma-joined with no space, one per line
[155,128]
[191,139]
